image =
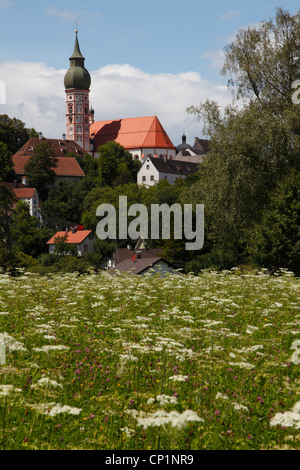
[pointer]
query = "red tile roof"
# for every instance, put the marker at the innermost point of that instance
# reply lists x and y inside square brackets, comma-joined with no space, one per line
[66,166]
[24,193]
[59,147]
[77,237]
[131,133]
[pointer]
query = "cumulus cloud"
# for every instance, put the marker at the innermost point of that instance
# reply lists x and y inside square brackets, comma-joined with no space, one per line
[35,94]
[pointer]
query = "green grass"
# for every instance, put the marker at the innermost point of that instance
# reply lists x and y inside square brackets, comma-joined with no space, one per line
[100,362]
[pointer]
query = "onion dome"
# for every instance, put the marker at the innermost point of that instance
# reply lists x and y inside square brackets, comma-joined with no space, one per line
[77,76]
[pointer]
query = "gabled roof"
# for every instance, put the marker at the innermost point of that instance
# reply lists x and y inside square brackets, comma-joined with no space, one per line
[59,147]
[135,267]
[201,145]
[66,166]
[123,254]
[177,167]
[25,193]
[131,133]
[77,237]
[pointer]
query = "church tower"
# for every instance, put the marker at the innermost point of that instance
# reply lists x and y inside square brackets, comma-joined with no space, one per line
[77,86]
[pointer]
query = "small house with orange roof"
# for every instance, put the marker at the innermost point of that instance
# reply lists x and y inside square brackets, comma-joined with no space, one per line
[141,136]
[83,240]
[25,194]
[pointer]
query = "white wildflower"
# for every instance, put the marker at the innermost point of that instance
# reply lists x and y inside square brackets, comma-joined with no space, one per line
[58,409]
[49,347]
[47,381]
[242,365]
[7,389]
[221,396]
[128,358]
[175,419]
[238,407]
[11,343]
[162,400]
[179,378]
[288,418]
[129,432]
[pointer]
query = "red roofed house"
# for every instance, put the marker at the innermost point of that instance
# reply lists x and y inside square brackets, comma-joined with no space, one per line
[82,239]
[67,167]
[28,195]
[141,136]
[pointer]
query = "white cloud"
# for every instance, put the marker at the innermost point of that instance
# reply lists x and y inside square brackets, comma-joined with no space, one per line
[35,94]
[73,15]
[216,58]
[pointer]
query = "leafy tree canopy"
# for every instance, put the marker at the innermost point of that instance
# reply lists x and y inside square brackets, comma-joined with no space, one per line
[253,147]
[39,169]
[13,133]
[7,172]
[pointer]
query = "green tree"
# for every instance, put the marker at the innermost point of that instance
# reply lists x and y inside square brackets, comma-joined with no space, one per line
[12,133]
[64,204]
[254,147]
[108,195]
[7,172]
[63,248]
[7,200]
[102,252]
[274,241]
[116,165]
[263,61]
[26,236]
[39,169]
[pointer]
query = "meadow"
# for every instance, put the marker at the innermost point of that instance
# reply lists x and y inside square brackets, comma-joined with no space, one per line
[179,362]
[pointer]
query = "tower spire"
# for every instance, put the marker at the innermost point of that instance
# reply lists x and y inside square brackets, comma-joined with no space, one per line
[77,86]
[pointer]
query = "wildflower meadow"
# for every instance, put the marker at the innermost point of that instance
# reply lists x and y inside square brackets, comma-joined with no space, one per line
[174,362]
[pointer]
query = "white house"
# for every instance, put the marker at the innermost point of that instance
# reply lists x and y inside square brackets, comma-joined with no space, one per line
[30,196]
[82,239]
[154,170]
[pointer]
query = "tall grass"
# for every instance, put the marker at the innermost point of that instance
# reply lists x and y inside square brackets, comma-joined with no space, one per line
[128,362]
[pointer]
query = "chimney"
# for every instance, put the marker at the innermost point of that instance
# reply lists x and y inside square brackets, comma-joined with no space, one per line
[40,136]
[24,180]
[64,136]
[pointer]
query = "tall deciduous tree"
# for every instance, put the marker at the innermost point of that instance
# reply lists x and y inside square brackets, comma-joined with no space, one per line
[12,133]
[7,172]
[252,148]
[26,236]
[116,165]
[263,61]
[39,169]
[7,200]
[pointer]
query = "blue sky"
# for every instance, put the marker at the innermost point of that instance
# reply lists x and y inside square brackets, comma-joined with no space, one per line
[151,40]
[157,36]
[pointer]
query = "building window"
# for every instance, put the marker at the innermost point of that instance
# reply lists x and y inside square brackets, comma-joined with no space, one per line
[147,167]
[152,178]
[136,157]
[149,155]
[143,178]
